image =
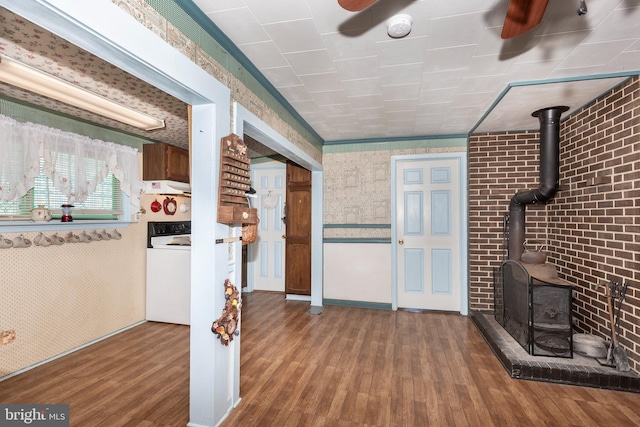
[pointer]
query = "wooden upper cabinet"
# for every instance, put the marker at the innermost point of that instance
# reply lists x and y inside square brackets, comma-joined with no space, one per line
[165,161]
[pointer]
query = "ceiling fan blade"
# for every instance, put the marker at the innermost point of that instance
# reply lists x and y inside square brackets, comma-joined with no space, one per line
[355,5]
[522,16]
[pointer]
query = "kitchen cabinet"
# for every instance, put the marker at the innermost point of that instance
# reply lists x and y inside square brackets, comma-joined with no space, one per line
[163,161]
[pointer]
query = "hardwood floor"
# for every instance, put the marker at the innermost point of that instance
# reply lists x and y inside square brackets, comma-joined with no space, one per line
[345,367]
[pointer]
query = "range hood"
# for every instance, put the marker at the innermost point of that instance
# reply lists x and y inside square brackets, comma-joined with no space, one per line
[166,187]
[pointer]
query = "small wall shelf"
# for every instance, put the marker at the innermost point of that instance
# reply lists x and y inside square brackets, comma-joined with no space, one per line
[235,180]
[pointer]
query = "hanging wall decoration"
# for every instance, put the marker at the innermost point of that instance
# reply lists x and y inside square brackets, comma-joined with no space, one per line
[226,326]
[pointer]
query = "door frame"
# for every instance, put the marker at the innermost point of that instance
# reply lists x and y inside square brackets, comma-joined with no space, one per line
[247,122]
[464,237]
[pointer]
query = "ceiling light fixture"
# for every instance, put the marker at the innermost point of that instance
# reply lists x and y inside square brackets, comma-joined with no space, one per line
[29,78]
[399,26]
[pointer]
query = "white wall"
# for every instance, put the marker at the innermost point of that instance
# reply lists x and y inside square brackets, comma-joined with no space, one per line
[357,272]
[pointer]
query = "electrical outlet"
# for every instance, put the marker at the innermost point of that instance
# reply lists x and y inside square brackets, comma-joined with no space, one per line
[575,321]
[7,337]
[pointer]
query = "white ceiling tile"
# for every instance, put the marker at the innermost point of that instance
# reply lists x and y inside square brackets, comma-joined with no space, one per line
[442,79]
[401,74]
[432,109]
[340,46]
[330,97]
[362,87]
[239,25]
[282,76]
[448,59]
[343,119]
[402,91]
[370,113]
[621,24]
[482,84]
[552,46]
[315,61]
[295,36]
[489,65]
[626,61]
[527,71]
[401,108]
[295,93]
[442,8]
[490,43]
[321,82]
[264,54]
[594,54]
[436,96]
[330,17]
[401,51]
[459,30]
[359,68]
[218,5]
[366,101]
[338,110]
[568,73]
[278,10]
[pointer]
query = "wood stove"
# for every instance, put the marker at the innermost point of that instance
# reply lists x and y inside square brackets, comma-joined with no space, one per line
[534,306]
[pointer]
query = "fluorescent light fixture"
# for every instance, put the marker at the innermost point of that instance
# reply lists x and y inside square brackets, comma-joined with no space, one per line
[29,78]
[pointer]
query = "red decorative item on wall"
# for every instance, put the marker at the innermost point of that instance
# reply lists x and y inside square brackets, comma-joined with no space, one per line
[170,206]
[156,206]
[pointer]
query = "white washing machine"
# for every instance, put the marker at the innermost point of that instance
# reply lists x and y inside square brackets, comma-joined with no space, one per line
[169,272]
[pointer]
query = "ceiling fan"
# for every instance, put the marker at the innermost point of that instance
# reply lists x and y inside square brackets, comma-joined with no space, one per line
[522,16]
[355,5]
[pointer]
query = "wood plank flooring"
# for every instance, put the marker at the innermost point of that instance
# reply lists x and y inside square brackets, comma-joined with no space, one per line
[345,367]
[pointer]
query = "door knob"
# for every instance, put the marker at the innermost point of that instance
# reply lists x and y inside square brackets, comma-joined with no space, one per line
[284,236]
[401,242]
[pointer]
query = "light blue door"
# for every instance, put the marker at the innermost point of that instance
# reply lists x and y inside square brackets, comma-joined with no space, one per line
[428,246]
[266,260]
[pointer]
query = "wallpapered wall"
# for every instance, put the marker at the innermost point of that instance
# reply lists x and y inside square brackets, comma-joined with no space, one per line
[357,183]
[591,226]
[57,298]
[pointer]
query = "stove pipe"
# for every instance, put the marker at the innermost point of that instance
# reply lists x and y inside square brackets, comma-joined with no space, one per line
[549,178]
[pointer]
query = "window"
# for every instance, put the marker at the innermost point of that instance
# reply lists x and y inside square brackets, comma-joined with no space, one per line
[105,203]
[50,167]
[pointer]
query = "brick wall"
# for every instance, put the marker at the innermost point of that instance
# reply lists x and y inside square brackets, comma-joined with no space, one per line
[592,227]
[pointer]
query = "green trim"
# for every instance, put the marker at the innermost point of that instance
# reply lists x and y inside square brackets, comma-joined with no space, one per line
[327,226]
[399,144]
[357,304]
[194,24]
[356,240]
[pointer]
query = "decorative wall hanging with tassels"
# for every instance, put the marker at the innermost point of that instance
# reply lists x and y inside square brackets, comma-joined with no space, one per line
[227,325]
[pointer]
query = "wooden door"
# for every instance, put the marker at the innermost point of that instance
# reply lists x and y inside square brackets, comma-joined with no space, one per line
[298,226]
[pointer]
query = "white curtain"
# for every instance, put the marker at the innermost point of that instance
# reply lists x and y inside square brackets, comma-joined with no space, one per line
[75,164]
